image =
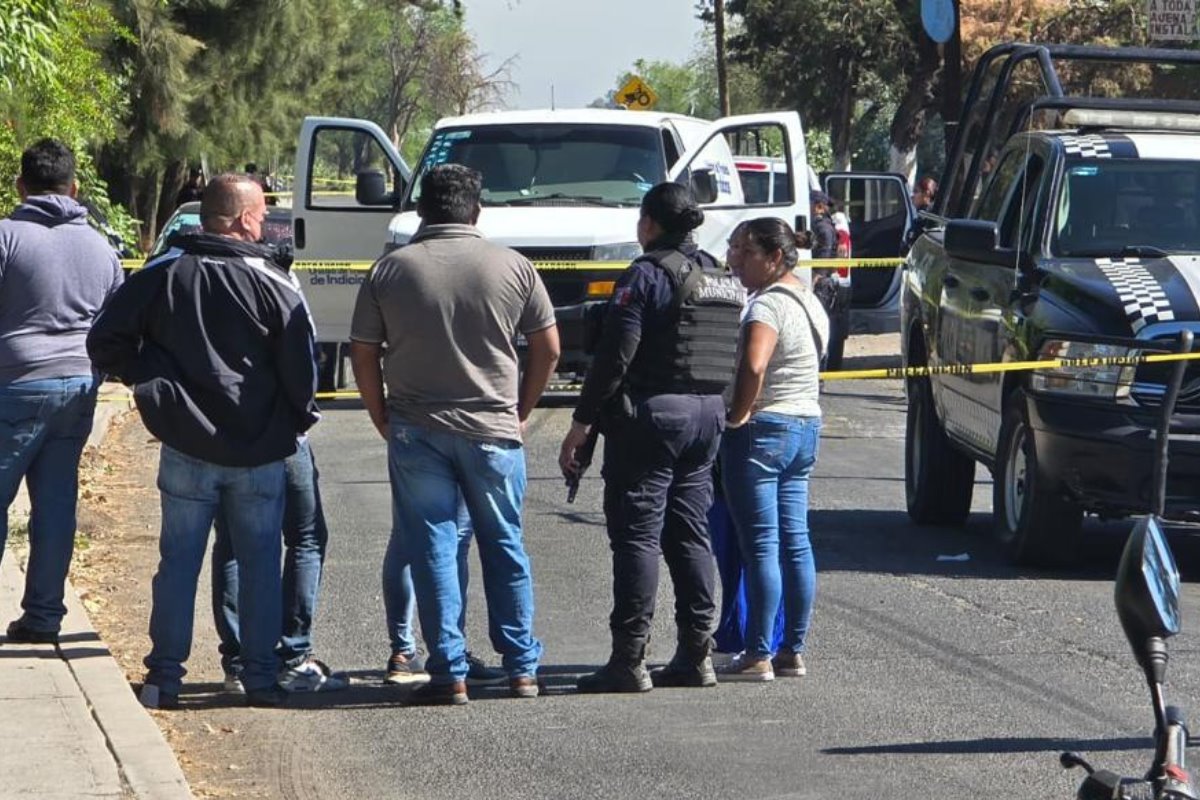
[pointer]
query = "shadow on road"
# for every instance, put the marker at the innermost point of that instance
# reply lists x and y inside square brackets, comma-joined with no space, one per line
[848,540]
[1014,744]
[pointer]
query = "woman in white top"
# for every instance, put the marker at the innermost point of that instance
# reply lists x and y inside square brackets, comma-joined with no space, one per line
[770,445]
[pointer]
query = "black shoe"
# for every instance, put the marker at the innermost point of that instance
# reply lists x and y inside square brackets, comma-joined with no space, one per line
[682,672]
[615,677]
[270,697]
[18,634]
[438,694]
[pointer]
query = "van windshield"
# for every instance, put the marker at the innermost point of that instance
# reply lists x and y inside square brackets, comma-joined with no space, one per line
[1135,206]
[552,164]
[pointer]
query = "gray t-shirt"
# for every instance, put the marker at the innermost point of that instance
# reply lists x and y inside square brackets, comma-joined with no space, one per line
[790,385]
[448,306]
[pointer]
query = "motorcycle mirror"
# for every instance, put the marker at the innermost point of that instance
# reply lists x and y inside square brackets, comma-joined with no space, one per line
[1147,588]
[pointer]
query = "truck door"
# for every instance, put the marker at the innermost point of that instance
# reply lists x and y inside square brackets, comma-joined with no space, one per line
[348,182]
[879,206]
[710,170]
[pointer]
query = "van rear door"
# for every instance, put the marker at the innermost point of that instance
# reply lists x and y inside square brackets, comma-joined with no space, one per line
[710,169]
[348,183]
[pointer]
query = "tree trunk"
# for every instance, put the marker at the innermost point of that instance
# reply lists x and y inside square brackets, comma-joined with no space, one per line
[722,72]
[908,123]
[151,222]
[842,126]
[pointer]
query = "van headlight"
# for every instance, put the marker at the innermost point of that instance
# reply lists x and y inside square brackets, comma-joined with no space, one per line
[621,251]
[1099,380]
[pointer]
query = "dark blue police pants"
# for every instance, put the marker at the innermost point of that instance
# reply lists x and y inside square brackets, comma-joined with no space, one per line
[657,491]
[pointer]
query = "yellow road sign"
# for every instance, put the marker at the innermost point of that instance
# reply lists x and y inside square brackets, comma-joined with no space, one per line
[637,95]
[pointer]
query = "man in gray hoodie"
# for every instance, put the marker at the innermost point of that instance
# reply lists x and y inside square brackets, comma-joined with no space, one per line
[55,274]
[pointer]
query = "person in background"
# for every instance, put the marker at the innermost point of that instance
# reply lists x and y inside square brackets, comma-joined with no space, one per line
[55,274]
[924,193]
[193,190]
[770,446]
[654,388]
[449,306]
[218,343]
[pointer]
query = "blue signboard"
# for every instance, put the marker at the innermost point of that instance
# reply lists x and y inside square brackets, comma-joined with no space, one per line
[938,18]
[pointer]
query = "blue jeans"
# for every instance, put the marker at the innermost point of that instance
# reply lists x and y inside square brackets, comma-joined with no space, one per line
[250,499]
[730,636]
[43,427]
[765,465]
[305,536]
[429,471]
[399,598]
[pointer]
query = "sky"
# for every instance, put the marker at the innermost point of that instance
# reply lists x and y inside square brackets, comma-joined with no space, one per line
[579,46]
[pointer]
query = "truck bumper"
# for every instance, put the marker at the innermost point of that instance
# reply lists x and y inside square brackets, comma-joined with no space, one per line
[1103,455]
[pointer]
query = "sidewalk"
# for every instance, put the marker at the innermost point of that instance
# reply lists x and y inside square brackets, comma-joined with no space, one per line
[75,729]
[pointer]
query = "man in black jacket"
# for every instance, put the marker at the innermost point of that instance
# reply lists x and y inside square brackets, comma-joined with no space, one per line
[218,343]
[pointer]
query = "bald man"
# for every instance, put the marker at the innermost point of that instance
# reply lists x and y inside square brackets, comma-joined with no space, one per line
[216,340]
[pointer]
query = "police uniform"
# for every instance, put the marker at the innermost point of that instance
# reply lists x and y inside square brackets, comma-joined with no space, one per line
[661,432]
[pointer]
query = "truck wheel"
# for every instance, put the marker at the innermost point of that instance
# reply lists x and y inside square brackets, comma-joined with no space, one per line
[837,346]
[938,479]
[1035,524]
[328,358]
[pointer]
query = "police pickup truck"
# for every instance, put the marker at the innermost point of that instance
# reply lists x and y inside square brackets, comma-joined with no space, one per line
[1070,227]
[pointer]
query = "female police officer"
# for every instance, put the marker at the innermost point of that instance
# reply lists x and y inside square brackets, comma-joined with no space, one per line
[664,356]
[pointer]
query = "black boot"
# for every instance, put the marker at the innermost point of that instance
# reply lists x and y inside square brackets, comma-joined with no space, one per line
[624,672]
[691,666]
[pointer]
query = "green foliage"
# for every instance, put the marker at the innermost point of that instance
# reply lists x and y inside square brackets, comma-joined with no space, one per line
[65,91]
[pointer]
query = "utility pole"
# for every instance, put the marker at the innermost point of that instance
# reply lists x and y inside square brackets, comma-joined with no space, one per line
[952,68]
[722,73]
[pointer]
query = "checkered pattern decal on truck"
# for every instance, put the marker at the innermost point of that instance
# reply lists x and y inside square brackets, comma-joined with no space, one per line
[1142,297]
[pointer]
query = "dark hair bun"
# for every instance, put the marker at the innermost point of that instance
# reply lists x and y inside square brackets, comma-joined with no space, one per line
[672,206]
[691,218]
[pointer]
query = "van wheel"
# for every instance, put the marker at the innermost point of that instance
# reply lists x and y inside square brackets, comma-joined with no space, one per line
[1035,524]
[328,360]
[938,479]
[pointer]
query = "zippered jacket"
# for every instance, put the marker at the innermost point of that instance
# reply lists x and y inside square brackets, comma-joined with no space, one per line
[218,343]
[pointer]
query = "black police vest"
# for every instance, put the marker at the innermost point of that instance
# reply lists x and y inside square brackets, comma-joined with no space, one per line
[697,352]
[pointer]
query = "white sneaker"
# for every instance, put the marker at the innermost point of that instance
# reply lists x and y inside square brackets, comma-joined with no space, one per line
[312,676]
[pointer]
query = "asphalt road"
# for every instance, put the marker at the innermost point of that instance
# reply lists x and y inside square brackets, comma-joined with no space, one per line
[960,678]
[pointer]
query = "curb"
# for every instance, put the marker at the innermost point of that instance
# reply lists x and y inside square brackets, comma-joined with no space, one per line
[146,762]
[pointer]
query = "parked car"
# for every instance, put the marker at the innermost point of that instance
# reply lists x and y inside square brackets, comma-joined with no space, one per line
[277,227]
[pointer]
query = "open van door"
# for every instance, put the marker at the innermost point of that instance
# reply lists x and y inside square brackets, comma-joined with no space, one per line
[880,209]
[710,169]
[348,183]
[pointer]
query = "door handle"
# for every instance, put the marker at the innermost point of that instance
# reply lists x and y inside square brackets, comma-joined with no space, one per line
[982,295]
[951,281]
[298,233]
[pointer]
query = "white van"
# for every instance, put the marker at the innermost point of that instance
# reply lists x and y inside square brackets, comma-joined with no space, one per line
[562,187]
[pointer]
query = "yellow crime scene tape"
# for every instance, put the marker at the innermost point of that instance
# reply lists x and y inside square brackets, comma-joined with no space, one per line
[567,266]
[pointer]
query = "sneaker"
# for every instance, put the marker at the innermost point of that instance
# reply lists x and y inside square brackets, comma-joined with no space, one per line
[679,672]
[789,665]
[233,683]
[312,675]
[438,694]
[616,677]
[403,668]
[153,697]
[524,686]
[480,674]
[270,697]
[747,668]
[19,634]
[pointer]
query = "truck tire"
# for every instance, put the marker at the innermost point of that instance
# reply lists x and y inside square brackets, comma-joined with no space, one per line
[328,360]
[837,347]
[1035,525]
[938,479]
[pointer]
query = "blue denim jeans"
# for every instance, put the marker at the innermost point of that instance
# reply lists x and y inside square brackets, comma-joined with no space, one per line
[430,470]
[250,499]
[43,427]
[399,598]
[765,465]
[305,537]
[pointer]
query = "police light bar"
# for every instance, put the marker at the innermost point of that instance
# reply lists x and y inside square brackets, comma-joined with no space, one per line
[1149,120]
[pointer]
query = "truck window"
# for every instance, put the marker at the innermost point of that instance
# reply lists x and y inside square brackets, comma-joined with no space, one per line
[999,182]
[1019,214]
[1106,205]
[558,163]
[339,157]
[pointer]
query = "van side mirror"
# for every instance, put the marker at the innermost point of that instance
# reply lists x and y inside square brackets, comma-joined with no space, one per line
[371,189]
[703,184]
[979,240]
